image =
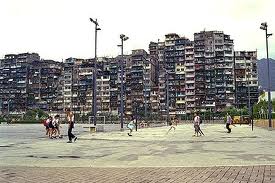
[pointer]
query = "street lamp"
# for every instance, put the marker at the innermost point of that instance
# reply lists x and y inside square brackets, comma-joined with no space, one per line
[95,71]
[247,76]
[264,27]
[167,97]
[122,38]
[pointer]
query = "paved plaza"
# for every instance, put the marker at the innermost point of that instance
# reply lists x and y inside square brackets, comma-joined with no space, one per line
[150,155]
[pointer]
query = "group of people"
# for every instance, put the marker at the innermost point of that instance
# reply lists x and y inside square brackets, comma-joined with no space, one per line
[53,126]
[197,125]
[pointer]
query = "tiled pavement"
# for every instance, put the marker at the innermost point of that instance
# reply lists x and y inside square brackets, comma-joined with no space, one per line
[234,174]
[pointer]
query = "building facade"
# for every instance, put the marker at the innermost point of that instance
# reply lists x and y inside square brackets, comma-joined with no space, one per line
[246,78]
[14,82]
[214,72]
[176,75]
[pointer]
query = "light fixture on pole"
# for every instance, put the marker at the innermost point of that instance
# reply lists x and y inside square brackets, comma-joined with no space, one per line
[264,27]
[122,38]
[94,110]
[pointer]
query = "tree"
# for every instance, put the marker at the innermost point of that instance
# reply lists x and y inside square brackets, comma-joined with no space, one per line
[32,114]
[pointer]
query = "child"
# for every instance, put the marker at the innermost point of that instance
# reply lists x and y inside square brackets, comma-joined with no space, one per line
[57,126]
[131,126]
[46,124]
[172,123]
[49,126]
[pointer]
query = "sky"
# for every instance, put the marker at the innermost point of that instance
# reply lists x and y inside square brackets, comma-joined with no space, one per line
[59,29]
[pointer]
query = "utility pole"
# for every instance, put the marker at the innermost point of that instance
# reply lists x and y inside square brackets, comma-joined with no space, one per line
[247,76]
[123,38]
[95,71]
[167,98]
[264,27]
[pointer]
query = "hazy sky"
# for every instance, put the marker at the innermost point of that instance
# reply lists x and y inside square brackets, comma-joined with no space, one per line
[58,29]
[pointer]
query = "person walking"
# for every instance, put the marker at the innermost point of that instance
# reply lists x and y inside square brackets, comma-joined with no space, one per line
[70,119]
[228,123]
[50,127]
[196,124]
[172,125]
[200,131]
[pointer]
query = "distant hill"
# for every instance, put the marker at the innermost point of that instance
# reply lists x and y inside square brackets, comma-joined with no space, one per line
[262,70]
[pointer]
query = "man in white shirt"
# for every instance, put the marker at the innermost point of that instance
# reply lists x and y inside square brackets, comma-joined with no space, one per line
[70,119]
[197,124]
[228,123]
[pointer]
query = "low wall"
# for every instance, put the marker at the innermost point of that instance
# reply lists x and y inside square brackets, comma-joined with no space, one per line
[264,123]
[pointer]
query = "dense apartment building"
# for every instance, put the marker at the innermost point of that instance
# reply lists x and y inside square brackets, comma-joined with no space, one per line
[214,72]
[14,81]
[26,82]
[78,85]
[45,85]
[246,78]
[138,82]
[176,74]
[114,92]
[189,77]
[154,93]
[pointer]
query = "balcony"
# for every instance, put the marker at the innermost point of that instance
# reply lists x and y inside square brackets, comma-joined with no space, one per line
[190,105]
[190,93]
[189,58]
[190,69]
[187,75]
[190,99]
[228,72]
[189,87]
[189,64]
[199,55]
[189,81]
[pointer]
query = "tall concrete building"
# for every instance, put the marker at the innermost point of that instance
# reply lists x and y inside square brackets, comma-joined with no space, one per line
[214,72]
[77,85]
[45,85]
[14,82]
[246,78]
[176,75]
[155,92]
[189,77]
[139,95]
[29,83]
[175,70]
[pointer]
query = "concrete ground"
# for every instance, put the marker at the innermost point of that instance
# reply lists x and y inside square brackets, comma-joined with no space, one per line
[26,146]
[225,174]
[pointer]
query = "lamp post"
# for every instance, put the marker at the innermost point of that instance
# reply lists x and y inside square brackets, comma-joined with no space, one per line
[264,27]
[136,106]
[95,70]
[1,103]
[167,98]
[122,38]
[247,76]
[9,107]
